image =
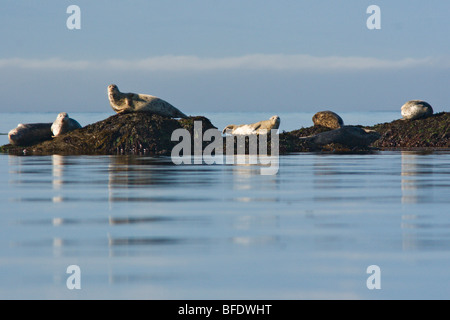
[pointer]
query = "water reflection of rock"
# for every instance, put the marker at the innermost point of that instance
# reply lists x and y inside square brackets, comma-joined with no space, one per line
[135,178]
[133,170]
[128,172]
[329,180]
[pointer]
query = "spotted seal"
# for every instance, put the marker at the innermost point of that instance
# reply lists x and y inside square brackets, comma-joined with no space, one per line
[255,128]
[328,119]
[351,136]
[30,133]
[416,109]
[64,124]
[136,102]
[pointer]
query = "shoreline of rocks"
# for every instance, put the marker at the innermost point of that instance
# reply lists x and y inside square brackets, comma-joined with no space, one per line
[145,124]
[150,134]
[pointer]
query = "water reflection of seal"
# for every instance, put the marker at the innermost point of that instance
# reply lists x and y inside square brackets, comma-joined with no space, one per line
[255,128]
[136,102]
[64,124]
[30,133]
[416,109]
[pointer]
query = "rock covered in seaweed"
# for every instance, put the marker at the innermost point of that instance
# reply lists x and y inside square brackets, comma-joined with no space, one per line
[130,133]
[136,133]
[432,132]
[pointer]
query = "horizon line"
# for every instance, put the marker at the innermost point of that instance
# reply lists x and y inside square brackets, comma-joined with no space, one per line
[267,62]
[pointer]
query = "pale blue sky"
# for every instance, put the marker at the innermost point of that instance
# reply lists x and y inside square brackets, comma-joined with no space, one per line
[228,55]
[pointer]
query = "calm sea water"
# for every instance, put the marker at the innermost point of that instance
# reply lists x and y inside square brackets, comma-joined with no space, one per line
[143,228]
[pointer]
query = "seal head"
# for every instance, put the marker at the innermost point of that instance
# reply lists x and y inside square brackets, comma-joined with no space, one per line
[64,124]
[115,99]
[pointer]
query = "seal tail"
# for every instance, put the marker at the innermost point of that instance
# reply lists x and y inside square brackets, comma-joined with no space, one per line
[230,127]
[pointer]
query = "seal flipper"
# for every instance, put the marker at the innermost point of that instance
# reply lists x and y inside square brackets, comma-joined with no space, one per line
[256,127]
[129,102]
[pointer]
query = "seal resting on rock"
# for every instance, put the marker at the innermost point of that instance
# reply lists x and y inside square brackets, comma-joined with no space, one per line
[64,124]
[328,119]
[350,136]
[30,133]
[261,127]
[416,109]
[135,102]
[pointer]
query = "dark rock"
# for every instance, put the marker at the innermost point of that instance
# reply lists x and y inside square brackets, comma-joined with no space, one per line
[143,133]
[131,133]
[432,132]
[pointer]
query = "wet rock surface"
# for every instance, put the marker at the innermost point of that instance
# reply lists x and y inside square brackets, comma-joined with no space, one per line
[131,133]
[429,133]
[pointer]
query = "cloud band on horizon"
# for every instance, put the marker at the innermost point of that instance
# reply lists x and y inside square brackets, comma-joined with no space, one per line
[274,62]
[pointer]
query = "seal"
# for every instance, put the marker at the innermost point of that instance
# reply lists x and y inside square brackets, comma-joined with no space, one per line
[416,109]
[261,127]
[328,119]
[30,133]
[64,124]
[136,102]
[350,136]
